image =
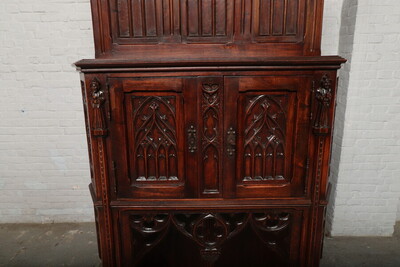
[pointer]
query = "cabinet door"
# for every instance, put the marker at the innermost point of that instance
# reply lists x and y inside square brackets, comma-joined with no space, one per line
[148,136]
[267,131]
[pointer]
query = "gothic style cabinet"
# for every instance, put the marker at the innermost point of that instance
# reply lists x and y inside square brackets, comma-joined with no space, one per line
[209,129]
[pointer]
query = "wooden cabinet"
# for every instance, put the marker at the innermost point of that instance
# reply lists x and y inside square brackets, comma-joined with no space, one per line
[209,129]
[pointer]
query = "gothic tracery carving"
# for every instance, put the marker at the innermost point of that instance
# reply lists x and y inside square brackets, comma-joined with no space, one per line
[155,136]
[210,230]
[211,114]
[265,132]
[151,228]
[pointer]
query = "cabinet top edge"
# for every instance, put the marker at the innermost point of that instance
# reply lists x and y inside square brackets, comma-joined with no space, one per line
[100,65]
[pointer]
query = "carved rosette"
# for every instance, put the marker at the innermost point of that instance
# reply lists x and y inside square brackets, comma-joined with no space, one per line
[323,97]
[210,230]
[97,95]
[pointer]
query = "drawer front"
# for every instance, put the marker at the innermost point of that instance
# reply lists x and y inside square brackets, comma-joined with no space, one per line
[210,238]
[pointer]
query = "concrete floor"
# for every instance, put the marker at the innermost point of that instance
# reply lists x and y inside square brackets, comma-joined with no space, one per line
[30,245]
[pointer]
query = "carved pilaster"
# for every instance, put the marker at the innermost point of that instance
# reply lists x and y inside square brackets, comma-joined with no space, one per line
[107,220]
[97,99]
[321,124]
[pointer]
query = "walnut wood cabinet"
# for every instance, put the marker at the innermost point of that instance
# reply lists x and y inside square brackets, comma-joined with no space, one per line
[209,129]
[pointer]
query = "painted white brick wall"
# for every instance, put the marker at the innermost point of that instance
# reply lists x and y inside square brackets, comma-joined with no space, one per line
[347,18]
[331,27]
[367,134]
[43,154]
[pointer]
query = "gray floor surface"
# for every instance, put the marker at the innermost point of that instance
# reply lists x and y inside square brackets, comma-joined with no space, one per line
[75,245]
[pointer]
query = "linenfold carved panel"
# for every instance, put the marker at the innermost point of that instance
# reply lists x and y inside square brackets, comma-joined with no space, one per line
[210,21]
[207,19]
[265,137]
[144,20]
[277,20]
[169,20]
[155,147]
[210,231]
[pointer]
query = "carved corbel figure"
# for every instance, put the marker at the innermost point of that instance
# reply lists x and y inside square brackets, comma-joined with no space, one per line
[97,100]
[323,96]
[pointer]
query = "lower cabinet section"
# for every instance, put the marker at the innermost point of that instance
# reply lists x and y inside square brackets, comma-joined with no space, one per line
[211,168]
[258,237]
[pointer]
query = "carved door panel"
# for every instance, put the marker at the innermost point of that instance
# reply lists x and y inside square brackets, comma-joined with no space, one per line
[148,134]
[267,130]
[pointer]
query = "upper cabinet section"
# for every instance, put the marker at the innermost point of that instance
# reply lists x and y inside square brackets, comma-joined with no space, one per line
[206,29]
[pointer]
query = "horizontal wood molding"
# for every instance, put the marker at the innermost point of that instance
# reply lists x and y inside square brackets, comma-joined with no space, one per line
[289,63]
